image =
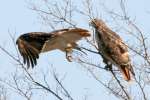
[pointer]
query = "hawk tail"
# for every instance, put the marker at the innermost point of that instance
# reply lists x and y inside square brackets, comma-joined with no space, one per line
[127,71]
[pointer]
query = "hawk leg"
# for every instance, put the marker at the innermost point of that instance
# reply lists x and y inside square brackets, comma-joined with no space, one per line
[68,56]
[68,53]
[108,65]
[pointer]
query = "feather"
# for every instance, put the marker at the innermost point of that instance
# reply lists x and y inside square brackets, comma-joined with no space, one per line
[30,45]
[126,72]
[112,48]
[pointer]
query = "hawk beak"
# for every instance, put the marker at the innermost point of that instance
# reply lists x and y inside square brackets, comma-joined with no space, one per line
[91,23]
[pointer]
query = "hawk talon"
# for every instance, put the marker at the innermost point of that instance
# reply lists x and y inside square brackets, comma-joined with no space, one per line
[69,58]
[108,67]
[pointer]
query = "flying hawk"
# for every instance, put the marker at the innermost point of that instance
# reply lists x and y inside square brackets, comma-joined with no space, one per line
[112,48]
[31,44]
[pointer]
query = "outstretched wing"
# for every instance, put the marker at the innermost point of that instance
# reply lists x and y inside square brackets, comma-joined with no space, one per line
[30,45]
[112,47]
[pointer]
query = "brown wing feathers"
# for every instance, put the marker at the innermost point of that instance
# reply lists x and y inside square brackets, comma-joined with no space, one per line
[30,45]
[28,53]
[80,31]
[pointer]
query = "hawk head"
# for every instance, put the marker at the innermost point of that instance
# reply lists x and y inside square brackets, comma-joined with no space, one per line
[97,23]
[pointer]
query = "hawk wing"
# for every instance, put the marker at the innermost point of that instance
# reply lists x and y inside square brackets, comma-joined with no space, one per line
[112,47]
[30,45]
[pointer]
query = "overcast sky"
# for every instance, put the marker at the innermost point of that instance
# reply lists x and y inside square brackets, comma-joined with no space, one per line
[17,18]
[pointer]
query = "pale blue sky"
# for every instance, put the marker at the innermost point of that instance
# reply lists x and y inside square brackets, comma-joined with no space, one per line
[17,18]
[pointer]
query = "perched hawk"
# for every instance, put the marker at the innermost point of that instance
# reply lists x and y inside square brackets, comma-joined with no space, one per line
[32,44]
[112,48]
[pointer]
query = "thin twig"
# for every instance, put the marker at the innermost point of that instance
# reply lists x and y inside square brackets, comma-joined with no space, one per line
[122,87]
[66,92]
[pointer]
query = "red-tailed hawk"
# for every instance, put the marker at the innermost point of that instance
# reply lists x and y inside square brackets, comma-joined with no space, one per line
[112,48]
[32,44]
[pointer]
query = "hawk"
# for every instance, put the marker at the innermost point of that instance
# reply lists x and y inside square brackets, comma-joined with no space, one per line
[112,48]
[31,44]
